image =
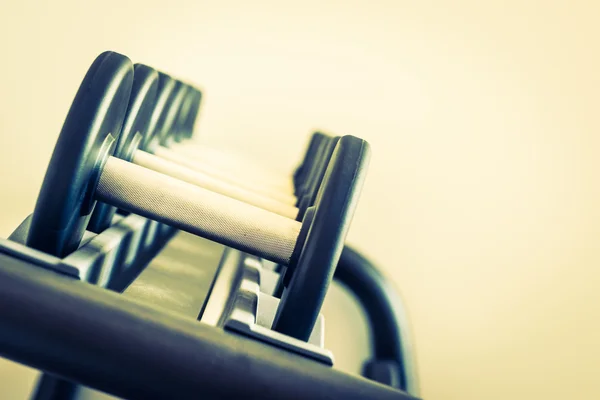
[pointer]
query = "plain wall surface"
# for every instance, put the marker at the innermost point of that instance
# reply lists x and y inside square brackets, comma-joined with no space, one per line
[482,202]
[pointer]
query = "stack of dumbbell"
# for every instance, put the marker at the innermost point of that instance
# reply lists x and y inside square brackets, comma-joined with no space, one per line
[125,178]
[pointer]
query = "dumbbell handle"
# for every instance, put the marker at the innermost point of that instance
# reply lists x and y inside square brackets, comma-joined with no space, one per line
[230,163]
[198,211]
[164,152]
[206,181]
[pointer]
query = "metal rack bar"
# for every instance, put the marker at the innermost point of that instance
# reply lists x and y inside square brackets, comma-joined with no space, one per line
[105,341]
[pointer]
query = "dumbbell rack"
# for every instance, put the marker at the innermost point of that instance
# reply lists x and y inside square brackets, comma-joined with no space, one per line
[142,310]
[127,345]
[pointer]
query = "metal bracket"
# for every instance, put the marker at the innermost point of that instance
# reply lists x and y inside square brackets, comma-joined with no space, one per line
[252,312]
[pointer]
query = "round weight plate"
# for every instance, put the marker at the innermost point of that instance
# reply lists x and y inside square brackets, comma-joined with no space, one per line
[301,172]
[309,195]
[166,86]
[96,114]
[188,132]
[180,126]
[139,112]
[165,130]
[135,128]
[333,211]
[312,163]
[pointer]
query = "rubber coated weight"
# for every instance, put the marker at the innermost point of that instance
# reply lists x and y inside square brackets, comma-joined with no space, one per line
[303,298]
[94,120]
[173,109]
[134,132]
[182,115]
[166,87]
[139,112]
[303,169]
[308,195]
[196,101]
[187,115]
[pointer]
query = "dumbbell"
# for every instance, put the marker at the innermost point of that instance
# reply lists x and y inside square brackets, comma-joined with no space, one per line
[315,161]
[235,165]
[226,162]
[169,126]
[145,116]
[175,92]
[319,151]
[186,128]
[83,170]
[136,127]
[185,131]
[162,120]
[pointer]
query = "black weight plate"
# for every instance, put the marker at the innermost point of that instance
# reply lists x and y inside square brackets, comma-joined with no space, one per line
[179,128]
[316,162]
[139,112]
[65,200]
[165,130]
[192,115]
[309,195]
[166,87]
[167,91]
[333,211]
[315,169]
[137,119]
[311,152]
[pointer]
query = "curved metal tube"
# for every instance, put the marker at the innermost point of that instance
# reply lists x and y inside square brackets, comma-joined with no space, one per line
[387,318]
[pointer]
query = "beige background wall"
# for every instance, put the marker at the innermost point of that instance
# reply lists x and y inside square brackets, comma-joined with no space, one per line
[483,198]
